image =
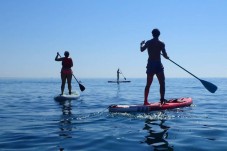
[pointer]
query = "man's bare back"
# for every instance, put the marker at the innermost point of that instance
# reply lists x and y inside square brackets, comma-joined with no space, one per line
[154,48]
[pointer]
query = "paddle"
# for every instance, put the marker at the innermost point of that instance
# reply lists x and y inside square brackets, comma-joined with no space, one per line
[122,75]
[209,86]
[82,88]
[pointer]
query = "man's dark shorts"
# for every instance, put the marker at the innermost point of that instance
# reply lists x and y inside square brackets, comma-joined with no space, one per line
[154,67]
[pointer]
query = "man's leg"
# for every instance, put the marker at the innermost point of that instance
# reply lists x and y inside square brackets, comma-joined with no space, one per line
[147,88]
[161,79]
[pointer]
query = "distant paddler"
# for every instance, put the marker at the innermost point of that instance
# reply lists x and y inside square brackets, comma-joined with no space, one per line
[118,75]
[118,78]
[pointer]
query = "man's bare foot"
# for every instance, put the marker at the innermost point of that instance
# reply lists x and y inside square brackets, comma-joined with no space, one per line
[163,101]
[146,103]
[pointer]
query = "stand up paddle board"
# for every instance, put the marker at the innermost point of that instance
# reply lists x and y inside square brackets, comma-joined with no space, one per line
[118,81]
[73,96]
[170,104]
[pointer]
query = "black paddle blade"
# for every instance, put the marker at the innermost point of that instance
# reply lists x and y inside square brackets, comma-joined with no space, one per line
[82,88]
[209,86]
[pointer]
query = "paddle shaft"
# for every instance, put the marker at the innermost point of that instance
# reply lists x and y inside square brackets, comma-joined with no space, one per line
[122,74]
[184,69]
[76,79]
[209,86]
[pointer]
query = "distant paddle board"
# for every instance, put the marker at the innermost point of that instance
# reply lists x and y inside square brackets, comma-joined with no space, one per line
[119,81]
[73,96]
[171,104]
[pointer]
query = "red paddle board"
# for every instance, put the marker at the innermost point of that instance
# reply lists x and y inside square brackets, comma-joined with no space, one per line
[170,104]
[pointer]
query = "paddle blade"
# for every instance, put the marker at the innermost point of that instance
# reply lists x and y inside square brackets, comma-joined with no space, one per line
[82,88]
[209,86]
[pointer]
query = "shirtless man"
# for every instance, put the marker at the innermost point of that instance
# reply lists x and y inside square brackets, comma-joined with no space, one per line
[154,65]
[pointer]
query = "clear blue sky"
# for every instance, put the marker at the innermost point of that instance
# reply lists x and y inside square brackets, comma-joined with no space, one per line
[102,35]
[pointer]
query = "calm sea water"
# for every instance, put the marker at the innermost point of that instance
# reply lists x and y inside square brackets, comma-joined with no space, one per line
[32,120]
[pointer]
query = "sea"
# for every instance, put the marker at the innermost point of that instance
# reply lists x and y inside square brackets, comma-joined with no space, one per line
[31,120]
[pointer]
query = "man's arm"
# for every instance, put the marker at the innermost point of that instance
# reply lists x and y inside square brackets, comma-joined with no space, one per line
[142,46]
[164,54]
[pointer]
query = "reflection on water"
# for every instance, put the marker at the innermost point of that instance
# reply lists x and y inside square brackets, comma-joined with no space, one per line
[65,122]
[118,91]
[157,135]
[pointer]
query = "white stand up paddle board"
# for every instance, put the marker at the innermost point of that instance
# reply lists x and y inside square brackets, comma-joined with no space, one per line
[73,96]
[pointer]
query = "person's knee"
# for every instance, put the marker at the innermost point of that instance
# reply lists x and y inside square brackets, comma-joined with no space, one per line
[148,86]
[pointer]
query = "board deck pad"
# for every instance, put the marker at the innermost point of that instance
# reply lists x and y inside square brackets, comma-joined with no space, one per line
[170,104]
[73,96]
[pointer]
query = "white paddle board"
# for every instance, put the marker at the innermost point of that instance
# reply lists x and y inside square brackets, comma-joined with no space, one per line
[73,96]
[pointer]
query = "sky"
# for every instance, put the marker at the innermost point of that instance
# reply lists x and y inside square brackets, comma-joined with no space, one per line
[104,35]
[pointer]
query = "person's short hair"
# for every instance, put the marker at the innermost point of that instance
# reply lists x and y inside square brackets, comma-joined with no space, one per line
[66,53]
[155,32]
